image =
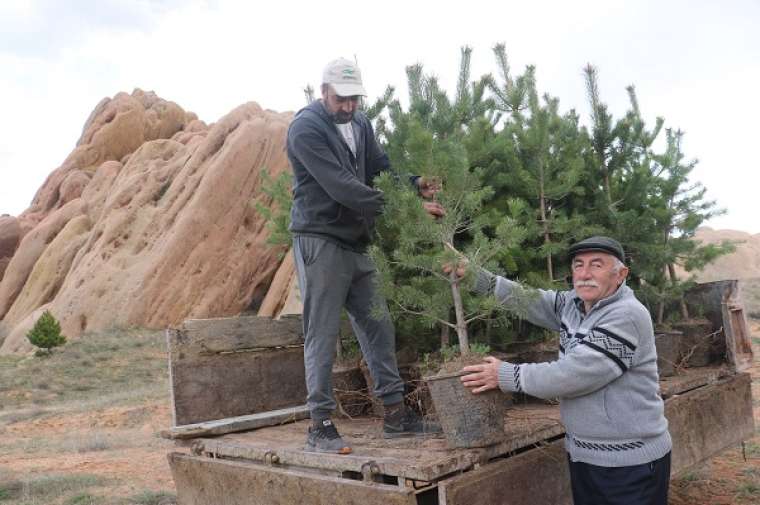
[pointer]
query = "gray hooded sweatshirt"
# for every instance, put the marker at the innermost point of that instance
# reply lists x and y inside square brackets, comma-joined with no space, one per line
[605,378]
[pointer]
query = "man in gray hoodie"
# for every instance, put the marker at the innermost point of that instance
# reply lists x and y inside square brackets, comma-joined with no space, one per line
[606,378]
[335,157]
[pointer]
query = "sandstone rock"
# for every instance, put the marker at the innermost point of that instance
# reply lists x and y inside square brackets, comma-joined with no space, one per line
[283,296]
[30,249]
[116,128]
[744,263]
[50,270]
[16,342]
[73,186]
[10,235]
[167,233]
[96,192]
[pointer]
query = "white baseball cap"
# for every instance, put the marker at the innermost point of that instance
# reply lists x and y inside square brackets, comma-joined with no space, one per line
[345,77]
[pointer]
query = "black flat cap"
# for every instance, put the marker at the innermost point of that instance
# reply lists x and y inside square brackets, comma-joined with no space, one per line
[598,243]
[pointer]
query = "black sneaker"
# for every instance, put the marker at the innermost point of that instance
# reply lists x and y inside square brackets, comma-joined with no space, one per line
[325,438]
[405,422]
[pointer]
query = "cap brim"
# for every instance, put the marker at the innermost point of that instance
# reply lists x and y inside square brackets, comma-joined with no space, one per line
[595,248]
[348,89]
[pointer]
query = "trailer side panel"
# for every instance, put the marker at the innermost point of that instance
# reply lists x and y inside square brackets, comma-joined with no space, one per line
[206,481]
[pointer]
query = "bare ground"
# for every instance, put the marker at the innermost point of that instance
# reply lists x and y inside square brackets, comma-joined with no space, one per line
[80,428]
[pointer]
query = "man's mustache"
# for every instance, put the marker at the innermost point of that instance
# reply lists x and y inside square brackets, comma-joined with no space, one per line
[590,284]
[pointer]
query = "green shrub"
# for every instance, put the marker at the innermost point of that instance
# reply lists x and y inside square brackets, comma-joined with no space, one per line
[46,333]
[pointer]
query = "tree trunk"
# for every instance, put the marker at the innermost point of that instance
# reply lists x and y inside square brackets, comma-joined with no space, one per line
[606,179]
[681,299]
[544,223]
[660,311]
[464,344]
[445,335]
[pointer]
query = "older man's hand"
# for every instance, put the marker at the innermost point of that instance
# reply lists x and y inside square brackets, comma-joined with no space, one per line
[461,267]
[435,209]
[428,186]
[483,377]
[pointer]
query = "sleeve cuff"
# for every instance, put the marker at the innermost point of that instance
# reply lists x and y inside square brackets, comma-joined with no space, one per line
[509,378]
[414,180]
[485,283]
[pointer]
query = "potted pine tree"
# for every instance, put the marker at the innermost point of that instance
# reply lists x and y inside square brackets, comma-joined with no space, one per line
[409,253]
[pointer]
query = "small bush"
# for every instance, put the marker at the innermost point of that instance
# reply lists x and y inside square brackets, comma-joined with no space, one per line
[46,333]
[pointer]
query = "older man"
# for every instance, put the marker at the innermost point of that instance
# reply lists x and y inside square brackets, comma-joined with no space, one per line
[606,378]
[335,157]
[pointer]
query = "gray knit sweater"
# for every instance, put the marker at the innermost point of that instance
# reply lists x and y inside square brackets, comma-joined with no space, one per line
[605,378]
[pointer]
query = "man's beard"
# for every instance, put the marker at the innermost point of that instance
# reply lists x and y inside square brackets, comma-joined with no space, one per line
[341,117]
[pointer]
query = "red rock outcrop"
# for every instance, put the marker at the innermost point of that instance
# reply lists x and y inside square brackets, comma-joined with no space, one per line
[149,221]
[283,296]
[743,263]
[10,235]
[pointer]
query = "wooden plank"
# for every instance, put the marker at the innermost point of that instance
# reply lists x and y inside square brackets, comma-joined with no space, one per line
[240,423]
[692,378]
[231,334]
[707,420]
[435,465]
[539,477]
[208,387]
[423,459]
[204,481]
[738,341]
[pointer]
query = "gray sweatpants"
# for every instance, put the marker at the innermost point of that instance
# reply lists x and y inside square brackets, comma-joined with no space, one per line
[331,278]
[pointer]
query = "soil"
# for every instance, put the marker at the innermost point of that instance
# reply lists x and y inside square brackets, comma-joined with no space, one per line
[120,443]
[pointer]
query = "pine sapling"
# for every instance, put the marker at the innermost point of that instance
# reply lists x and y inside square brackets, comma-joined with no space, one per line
[46,333]
[411,248]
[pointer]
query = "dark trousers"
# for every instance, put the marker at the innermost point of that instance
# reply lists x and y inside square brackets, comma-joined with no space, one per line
[645,484]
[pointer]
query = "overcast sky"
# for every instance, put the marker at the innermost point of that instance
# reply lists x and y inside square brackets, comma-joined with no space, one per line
[696,63]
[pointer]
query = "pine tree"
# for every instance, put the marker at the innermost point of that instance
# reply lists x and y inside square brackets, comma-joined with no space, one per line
[46,333]
[429,139]
[651,205]
[410,272]
[521,181]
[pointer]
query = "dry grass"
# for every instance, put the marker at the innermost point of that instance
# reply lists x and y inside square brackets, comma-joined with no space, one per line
[113,366]
[47,489]
[92,400]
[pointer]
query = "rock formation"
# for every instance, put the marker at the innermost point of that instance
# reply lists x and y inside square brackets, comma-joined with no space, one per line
[744,263]
[147,222]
